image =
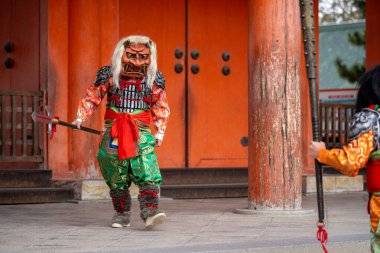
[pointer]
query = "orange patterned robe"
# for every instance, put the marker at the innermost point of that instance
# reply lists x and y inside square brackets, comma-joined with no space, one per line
[158,102]
[349,159]
[127,150]
[363,148]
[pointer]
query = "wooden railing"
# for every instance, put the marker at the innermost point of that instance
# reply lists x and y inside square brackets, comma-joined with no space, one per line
[334,123]
[19,135]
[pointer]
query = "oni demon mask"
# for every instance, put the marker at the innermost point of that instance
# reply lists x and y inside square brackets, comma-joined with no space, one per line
[135,60]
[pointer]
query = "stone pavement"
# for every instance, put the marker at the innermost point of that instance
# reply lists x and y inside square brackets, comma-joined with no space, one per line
[194,225]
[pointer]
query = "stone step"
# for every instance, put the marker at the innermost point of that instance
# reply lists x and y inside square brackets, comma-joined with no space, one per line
[204,176]
[194,191]
[24,178]
[334,183]
[35,195]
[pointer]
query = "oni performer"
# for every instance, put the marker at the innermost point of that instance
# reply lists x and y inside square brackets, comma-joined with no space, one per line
[135,92]
[363,148]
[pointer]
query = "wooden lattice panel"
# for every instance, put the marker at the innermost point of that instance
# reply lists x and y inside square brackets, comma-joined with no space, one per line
[334,123]
[19,135]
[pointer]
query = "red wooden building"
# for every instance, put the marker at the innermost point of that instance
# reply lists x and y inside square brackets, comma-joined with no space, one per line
[233,69]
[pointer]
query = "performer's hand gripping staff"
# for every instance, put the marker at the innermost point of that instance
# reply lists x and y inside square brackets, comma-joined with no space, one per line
[307,22]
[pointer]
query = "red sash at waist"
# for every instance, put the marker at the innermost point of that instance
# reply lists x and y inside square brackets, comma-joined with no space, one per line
[126,130]
[373,176]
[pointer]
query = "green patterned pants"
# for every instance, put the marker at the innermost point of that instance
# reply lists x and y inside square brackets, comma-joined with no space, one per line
[141,170]
[374,217]
[375,242]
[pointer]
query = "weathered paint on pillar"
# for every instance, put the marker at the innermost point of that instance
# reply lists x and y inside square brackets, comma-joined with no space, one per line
[275,162]
[57,86]
[307,133]
[84,62]
[372,33]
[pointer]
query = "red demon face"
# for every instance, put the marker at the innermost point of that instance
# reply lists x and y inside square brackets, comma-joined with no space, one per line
[135,60]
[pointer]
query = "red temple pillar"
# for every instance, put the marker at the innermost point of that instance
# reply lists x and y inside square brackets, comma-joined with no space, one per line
[84,62]
[57,83]
[274,159]
[92,42]
[372,33]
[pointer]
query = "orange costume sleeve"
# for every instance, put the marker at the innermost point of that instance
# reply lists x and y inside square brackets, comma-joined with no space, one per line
[160,111]
[349,159]
[94,95]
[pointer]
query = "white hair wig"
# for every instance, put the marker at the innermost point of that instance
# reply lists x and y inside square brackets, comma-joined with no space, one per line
[119,51]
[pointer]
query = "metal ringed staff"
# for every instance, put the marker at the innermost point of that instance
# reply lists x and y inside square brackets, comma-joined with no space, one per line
[307,22]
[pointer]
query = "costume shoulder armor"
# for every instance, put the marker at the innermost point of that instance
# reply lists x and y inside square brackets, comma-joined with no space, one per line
[364,121]
[160,79]
[103,75]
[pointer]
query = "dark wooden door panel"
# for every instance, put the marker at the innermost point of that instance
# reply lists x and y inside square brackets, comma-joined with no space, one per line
[19,83]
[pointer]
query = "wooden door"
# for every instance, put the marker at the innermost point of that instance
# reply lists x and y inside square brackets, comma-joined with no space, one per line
[164,22]
[19,83]
[218,103]
[207,131]
[20,31]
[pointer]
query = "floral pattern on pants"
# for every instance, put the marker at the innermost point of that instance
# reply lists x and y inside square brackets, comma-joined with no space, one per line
[141,170]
